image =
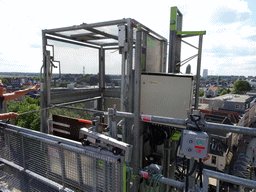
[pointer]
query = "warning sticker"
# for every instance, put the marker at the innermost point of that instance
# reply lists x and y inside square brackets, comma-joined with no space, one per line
[53,152]
[146,117]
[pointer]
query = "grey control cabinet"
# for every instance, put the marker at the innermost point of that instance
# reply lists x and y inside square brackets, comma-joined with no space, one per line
[167,95]
[194,144]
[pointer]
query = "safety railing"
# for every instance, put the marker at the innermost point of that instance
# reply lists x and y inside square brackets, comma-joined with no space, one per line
[54,163]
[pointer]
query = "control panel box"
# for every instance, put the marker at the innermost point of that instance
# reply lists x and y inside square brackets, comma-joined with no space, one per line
[194,144]
[166,95]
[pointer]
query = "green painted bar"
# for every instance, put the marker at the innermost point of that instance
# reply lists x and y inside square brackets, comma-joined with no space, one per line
[173,18]
[191,32]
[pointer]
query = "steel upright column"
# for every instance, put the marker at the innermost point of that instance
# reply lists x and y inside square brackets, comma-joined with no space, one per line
[137,127]
[129,79]
[101,79]
[198,71]
[45,87]
[175,43]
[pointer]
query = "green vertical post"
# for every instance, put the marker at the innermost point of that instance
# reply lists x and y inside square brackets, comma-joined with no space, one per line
[124,177]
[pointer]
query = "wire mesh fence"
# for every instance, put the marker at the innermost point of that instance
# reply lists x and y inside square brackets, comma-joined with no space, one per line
[30,162]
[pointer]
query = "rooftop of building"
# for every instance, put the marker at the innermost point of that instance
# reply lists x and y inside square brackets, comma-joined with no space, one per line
[232,98]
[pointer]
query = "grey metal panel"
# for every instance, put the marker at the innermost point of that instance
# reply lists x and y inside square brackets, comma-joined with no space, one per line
[153,55]
[166,95]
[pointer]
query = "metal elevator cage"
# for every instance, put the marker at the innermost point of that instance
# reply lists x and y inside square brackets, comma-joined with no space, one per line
[129,37]
[52,163]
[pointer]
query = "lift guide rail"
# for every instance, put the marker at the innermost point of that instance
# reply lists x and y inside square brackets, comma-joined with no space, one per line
[35,161]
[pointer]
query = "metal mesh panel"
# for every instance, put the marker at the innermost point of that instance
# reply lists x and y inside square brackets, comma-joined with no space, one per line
[47,162]
[13,180]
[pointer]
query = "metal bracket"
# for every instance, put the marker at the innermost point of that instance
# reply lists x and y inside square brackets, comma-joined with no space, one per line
[101,138]
[172,22]
[198,117]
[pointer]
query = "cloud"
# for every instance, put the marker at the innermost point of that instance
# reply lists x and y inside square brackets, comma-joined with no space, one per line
[226,15]
[35,45]
[231,51]
[251,38]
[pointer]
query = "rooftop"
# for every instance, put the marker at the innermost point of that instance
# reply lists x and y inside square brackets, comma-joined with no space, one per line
[232,98]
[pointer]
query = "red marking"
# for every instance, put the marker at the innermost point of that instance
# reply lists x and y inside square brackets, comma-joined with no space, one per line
[84,121]
[208,157]
[146,118]
[199,147]
[144,174]
[199,151]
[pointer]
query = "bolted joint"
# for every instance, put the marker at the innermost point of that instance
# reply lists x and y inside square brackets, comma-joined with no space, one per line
[111,112]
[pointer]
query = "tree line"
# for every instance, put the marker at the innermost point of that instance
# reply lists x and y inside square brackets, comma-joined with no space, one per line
[32,120]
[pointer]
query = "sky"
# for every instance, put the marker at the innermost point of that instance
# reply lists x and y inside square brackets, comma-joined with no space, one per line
[229,46]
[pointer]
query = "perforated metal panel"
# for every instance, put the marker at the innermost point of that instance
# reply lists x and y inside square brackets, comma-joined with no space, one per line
[51,161]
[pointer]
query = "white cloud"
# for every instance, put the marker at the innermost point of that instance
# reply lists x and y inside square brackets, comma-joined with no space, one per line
[229,39]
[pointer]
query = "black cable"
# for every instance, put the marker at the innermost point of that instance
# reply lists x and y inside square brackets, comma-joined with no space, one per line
[195,121]
[176,164]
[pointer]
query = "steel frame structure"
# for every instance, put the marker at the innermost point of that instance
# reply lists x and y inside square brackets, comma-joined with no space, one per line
[92,36]
[89,35]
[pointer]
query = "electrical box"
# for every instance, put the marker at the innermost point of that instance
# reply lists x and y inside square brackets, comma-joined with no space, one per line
[194,144]
[167,95]
[121,35]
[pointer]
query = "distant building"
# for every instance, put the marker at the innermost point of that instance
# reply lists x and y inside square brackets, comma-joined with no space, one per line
[211,91]
[205,73]
[252,82]
[243,105]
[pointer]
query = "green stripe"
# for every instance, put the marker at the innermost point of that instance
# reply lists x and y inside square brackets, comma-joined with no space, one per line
[173,18]
[124,177]
[191,32]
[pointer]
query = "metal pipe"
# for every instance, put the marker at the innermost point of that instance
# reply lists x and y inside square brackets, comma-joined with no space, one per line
[186,60]
[45,87]
[188,44]
[198,71]
[137,127]
[227,178]
[172,182]
[149,30]
[124,114]
[114,129]
[70,41]
[81,109]
[167,120]
[229,128]
[78,101]
[84,26]
[123,93]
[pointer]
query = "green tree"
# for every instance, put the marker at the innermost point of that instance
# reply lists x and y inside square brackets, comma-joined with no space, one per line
[201,93]
[4,81]
[32,120]
[29,120]
[241,86]
[223,91]
[64,84]
[77,114]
